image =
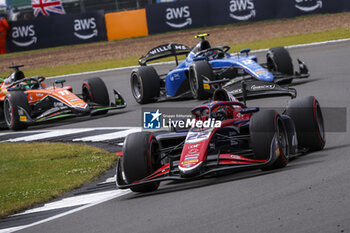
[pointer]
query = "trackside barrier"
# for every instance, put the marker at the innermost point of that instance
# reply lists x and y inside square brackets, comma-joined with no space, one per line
[57,30]
[88,27]
[126,24]
[200,13]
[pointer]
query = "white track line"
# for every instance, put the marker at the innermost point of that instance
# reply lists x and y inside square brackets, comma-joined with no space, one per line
[172,62]
[51,134]
[104,196]
[108,136]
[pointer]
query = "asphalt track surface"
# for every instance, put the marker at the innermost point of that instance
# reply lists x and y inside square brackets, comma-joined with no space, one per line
[310,195]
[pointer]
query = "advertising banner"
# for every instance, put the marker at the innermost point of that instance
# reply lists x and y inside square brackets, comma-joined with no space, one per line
[57,30]
[293,8]
[177,15]
[29,34]
[233,11]
[198,13]
[79,28]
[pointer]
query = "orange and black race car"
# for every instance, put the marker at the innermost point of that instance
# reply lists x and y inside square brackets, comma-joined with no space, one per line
[27,100]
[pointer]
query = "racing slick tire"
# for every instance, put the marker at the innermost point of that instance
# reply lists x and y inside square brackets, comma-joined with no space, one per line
[279,59]
[197,70]
[141,157]
[265,126]
[3,124]
[15,101]
[95,90]
[145,84]
[307,116]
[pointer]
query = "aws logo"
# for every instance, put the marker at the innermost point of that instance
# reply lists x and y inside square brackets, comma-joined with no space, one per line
[87,26]
[23,36]
[242,10]
[308,5]
[178,17]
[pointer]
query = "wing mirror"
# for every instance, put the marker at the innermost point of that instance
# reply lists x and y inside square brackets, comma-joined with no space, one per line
[246,51]
[60,81]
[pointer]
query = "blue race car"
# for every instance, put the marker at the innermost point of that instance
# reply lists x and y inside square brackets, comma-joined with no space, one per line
[206,68]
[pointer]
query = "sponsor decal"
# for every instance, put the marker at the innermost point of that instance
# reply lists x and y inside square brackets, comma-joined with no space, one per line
[82,105]
[194,146]
[75,99]
[24,36]
[242,10]
[237,91]
[261,72]
[206,86]
[166,48]
[308,5]
[22,118]
[178,13]
[58,104]
[190,161]
[87,26]
[277,152]
[193,151]
[39,94]
[263,87]
[190,158]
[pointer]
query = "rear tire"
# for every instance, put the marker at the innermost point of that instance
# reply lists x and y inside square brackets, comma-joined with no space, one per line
[264,126]
[145,84]
[13,102]
[307,116]
[141,157]
[3,124]
[197,71]
[279,59]
[95,90]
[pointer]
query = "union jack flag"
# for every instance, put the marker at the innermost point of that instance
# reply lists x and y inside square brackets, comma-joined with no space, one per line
[47,7]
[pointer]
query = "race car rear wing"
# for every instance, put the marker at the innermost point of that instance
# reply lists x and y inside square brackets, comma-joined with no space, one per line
[260,89]
[165,50]
[245,90]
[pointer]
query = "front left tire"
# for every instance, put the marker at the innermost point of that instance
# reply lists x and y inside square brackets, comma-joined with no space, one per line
[141,157]
[14,102]
[266,128]
[279,59]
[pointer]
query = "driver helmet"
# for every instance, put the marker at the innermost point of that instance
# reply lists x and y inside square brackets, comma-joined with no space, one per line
[204,44]
[18,75]
[220,113]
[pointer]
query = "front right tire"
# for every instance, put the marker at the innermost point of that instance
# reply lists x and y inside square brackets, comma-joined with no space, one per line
[95,90]
[308,119]
[198,71]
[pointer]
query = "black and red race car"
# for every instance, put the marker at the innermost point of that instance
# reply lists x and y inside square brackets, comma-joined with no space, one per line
[248,138]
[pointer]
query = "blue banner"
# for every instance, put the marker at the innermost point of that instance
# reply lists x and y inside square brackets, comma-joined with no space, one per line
[57,30]
[199,13]
[177,15]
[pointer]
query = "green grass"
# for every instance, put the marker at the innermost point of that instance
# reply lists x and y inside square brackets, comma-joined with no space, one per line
[33,173]
[341,33]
